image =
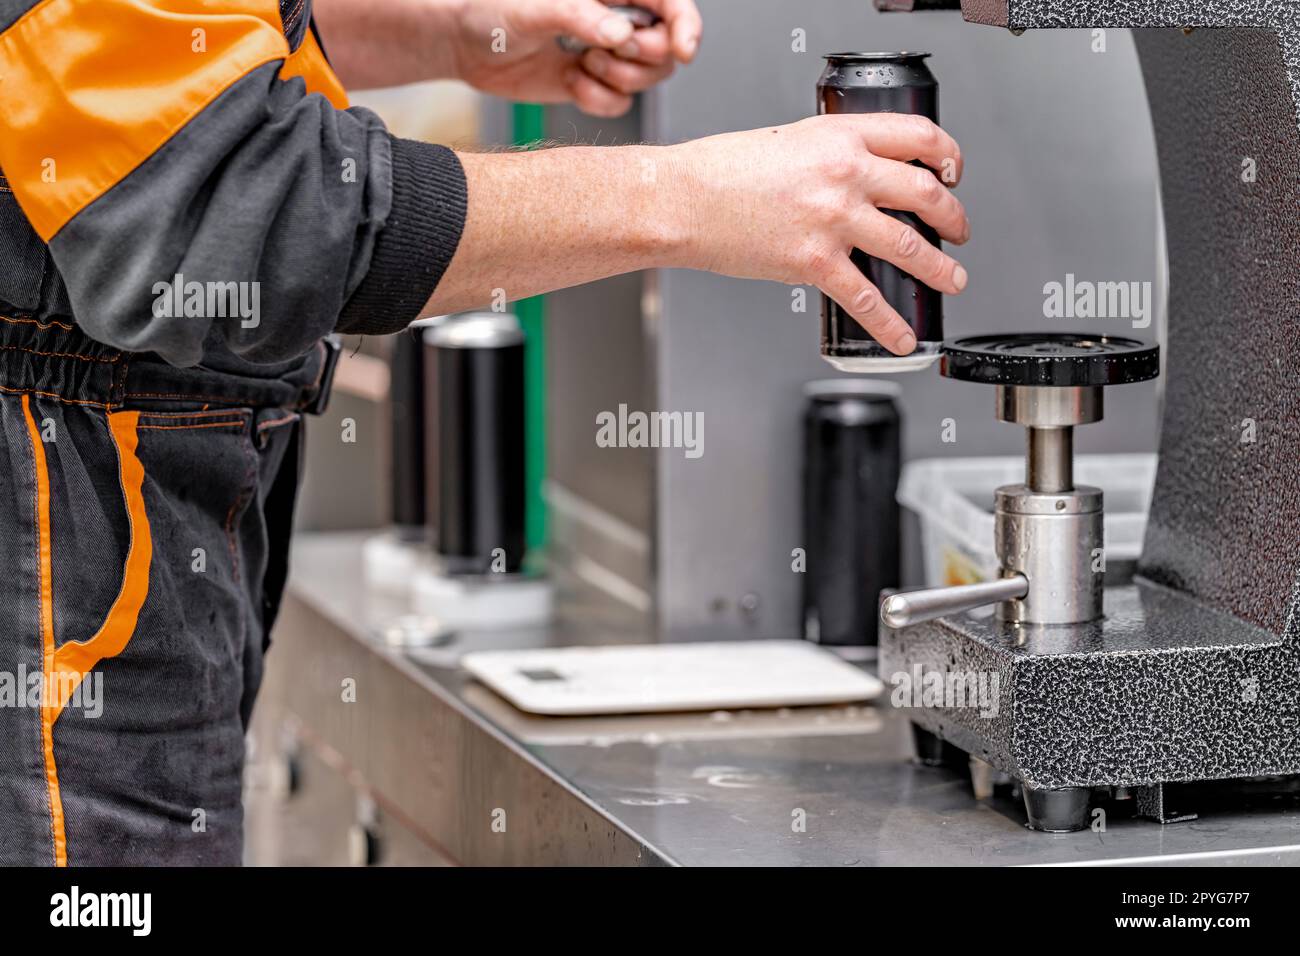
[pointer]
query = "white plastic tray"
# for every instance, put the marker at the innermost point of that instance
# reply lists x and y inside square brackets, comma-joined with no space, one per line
[953,497]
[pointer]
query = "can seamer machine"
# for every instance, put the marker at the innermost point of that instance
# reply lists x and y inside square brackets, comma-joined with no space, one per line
[1191,672]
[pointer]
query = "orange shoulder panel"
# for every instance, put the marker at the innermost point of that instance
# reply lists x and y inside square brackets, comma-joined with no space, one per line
[92,88]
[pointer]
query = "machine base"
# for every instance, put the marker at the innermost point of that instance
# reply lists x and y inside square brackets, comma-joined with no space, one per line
[1161,691]
[1058,811]
[1071,809]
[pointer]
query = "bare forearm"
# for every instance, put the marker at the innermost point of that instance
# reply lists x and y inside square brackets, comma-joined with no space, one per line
[550,219]
[785,203]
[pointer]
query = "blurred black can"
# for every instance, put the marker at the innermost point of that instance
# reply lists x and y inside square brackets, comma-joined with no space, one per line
[474,455]
[882,83]
[406,391]
[852,455]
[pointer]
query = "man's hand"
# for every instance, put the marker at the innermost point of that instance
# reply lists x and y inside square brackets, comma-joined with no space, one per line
[525,63]
[791,203]
[507,47]
[787,203]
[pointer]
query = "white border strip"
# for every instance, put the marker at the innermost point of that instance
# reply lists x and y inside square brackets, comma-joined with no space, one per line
[1179,857]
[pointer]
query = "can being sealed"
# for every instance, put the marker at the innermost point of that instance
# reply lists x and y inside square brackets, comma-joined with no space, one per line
[882,83]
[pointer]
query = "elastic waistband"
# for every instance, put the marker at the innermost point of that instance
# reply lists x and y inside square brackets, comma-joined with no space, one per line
[53,358]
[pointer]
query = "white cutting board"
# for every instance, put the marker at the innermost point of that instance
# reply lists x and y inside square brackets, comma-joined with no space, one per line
[653,678]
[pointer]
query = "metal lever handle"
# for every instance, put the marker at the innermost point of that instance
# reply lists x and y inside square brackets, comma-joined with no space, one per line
[912,607]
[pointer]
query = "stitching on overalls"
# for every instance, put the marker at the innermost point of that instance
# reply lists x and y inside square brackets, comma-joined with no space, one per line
[55,397]
[187,396]
[291,22]
[177,428]
[71,355]
[194,414]
[37,322]
[242,419]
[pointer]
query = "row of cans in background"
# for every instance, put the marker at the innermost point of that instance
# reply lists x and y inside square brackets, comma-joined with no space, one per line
[458,469]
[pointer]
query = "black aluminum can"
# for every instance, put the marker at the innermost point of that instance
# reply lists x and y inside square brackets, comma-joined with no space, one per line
[852,458]
[882,83]
[474,457]
[407,431]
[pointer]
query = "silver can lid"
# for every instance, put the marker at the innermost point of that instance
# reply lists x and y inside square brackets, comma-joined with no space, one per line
[852,387]
[475,330]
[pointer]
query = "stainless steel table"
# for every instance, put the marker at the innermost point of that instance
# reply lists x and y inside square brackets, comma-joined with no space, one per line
[487,784]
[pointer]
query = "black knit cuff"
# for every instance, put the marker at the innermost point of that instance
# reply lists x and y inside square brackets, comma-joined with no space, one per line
[415,246]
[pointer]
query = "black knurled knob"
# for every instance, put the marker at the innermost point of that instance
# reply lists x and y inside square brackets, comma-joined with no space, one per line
[1057,359]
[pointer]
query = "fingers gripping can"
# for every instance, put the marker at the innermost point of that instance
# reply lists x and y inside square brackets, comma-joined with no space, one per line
[882,83]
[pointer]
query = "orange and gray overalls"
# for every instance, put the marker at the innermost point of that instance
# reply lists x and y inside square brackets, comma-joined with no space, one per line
[187,208]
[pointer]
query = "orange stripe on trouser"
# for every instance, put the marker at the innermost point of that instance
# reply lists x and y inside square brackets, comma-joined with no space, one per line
[66,666]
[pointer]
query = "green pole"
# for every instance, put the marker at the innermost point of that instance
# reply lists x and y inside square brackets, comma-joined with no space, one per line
[529,122]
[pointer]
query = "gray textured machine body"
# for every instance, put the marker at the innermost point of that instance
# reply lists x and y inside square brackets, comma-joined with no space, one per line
[1194,672]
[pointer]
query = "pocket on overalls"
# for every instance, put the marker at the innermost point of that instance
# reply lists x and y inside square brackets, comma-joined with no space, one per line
[146,505]
[203,472]
[233,472]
